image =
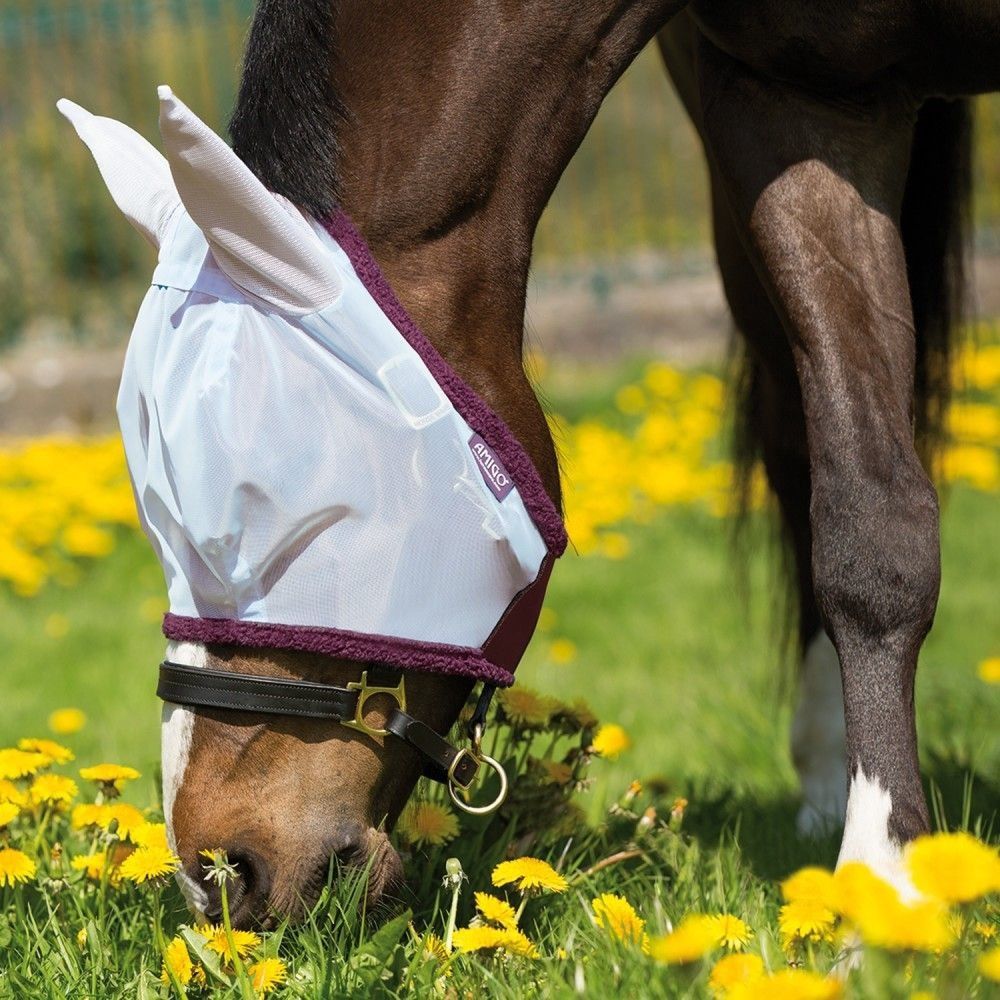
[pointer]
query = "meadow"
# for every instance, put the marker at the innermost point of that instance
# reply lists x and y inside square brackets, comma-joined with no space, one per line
[661,814]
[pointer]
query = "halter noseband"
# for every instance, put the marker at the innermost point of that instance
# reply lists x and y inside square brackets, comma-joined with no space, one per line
[200,687]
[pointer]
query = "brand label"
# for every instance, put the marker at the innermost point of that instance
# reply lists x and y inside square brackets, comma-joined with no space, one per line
[494,474]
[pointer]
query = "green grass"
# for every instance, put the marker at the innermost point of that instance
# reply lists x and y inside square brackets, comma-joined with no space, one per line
[669,645]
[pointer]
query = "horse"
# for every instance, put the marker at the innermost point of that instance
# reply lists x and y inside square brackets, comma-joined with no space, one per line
[837,137]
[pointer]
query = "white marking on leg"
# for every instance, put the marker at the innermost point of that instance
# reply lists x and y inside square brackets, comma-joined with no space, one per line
[175,746]
[866,835]
[819,741]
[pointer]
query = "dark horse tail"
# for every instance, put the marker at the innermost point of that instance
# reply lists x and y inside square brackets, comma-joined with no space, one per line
[935,228]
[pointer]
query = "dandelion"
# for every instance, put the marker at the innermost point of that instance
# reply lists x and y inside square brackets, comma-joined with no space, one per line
[434,948]
[989,670]
[21,763]
[617,916]
[562,651]
[789,984]
[987,932]
[806,920]
[526,708]
[491,938]
[15,867]
[216,940]
[147,863]
[989,964]
[128,818]
[813,884]
[149,835]
[529,873]
[732,970]
[266,974]
[9,792]
[611,741]
[111,776]
[66,721]
[92,864]
[694,937]
[52,788]
[81,938]
[177,960]
[577,716]
[496,911]
[58,753]
[89,814]
[734,935]
[428,823]
[8,813]
[953,867]
[556,772]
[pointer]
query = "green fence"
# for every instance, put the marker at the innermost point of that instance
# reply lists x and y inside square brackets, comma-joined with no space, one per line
[71,267]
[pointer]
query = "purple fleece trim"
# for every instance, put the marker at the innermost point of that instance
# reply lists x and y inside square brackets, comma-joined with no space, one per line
[407,654]
[476,412]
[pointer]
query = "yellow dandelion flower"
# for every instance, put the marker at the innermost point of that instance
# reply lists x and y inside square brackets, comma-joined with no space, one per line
[989,964]
[789,984]
[630,399]
[617,916]
[428,823]
[20,763]
[149,835]
[733,932]
[526,708]
[491,938]
[989,670]
[9,792]
[177,960]
[733,970]
[496,911]
[953,867]
[58,753]
[615,545]
[66,721]
[216,940]
[92,864]
[578,716]
[89,814]
[694,937]
[15,867]
[806,920]
[987,932]
[611,741]
[529,873]
[562,651]
[266,974]
[128,818]
[146,863]
[52,788]
[813,884]
[109,774]
[433,948]
[8,813]
[81,938]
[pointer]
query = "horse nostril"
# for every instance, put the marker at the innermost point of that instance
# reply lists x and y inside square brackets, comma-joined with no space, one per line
[246,894]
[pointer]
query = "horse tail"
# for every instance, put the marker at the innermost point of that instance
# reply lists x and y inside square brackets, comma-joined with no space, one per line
[285,123]
[935,227]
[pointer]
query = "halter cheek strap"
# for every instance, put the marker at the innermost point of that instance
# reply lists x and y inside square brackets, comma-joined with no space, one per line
[219,689]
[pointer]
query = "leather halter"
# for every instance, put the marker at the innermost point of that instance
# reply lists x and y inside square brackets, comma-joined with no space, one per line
[200,687]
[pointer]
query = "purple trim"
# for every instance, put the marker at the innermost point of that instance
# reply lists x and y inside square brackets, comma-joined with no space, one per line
[476,412]
[407,654]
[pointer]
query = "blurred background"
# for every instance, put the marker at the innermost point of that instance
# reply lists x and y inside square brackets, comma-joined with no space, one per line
[649,617]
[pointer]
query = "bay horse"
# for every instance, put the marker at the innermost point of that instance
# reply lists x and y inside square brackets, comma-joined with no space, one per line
[837,136]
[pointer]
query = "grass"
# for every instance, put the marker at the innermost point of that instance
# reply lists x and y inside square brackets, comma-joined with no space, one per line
[668,644]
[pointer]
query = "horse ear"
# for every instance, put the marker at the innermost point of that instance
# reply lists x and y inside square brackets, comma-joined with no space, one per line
[136,174]
[260,245]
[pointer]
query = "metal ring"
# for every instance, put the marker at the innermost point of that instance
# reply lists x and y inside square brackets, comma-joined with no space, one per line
[495,804]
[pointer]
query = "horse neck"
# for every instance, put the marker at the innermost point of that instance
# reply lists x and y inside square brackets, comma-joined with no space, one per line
[460,118]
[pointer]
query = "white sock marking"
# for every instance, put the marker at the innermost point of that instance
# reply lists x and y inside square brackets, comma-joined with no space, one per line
[866,835]
[175,746]
[818,740]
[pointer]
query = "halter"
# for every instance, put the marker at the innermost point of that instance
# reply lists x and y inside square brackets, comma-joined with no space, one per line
[199,687]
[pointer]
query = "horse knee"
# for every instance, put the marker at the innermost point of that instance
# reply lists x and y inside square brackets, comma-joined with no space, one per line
[877,566]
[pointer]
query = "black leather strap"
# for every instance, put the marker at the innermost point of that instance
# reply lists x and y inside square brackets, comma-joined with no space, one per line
[200,687]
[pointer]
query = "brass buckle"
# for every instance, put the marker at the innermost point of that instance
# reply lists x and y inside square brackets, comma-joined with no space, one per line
[480,758]
[368,691]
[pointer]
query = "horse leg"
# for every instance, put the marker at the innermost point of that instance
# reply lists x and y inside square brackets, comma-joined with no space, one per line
[816,187]
[774,428]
